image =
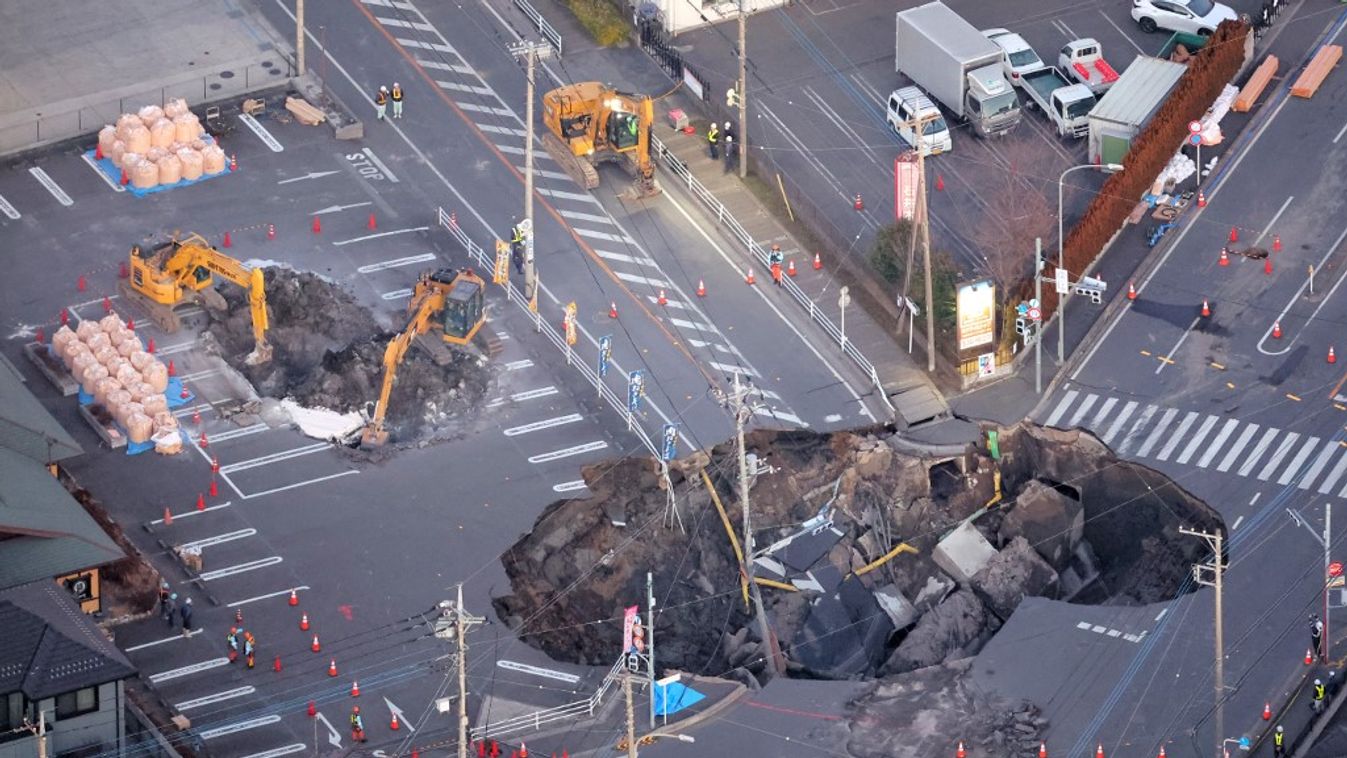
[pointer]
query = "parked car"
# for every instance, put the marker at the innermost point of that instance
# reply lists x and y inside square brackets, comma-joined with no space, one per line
[908,104]
[1191,16]
[1017,57]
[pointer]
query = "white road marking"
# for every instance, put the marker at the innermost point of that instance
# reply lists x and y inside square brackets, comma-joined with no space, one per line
[218,697]
[144,645]
[620,258]
[52,186]
[1137,428]
[417,25]
[519,364]
[515,150]
[578,216]
[1196,443]
[1298,461]
[89,159]
[730,368]
[571,486]
[194,668]
[634,279]
[240,568]
[232,434]
[340,208]
[465,88]
[1118,422]
[238,726]
[396,262]
[557,175]
[1277,455]
[454,67]
[525,395]
[667,303]
[1334,476]
[594,234]
[194,512]
[188,410]
[181,347]
[536,426]
[1237,448]
[1081,410]
[1341,132]
[781,415]
[1103,412]
[396,294]
[487,109]
[381,165]
[1169,357]
[713,345]
[1215,447]
[503,130]
[832,418]
[695,325]
[1330,447]
[268,596]
[1114,24]
[524,668]
[587,447]
[277,752]
[1256,495]
[305,177]
[390,4]
[8,209]
[1062,406]
[339,243]
[426,45]
[1238,521]
[1332,250]
[261,131]
[219,539]
[558,194]
[296,485]
[1177,437]
[1257,453]
[270,458]
[1160,428]
[194,376]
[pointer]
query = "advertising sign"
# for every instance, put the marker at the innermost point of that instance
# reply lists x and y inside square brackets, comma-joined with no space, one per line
[670,450]
[975,313]
[605,354]
[628,621]
[635,390]
[906,186]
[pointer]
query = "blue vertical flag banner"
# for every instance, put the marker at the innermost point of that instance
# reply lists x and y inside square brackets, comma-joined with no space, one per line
[635,390]
[670,442]
[605,354]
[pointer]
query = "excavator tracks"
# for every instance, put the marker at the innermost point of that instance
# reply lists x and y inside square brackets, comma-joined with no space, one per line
[579,169]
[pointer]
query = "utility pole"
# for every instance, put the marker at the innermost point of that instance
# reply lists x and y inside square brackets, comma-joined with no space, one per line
[531,51]
[650,639]
[1038,325]
[743,86]
[631,716]
[1328,525]
[1216,569]
[922,219]
[454,623]
[299,37]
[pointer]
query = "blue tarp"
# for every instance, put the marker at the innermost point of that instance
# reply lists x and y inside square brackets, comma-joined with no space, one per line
[674,697]
[115,174]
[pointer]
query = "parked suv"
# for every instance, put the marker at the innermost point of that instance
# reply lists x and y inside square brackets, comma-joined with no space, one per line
[1189,16]
[909,103]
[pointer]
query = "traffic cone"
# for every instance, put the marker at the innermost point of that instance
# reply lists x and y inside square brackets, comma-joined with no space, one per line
[304,622]
[371,224]
[355,689]
[858,203]
[1201,199]
[1042,750]
[65,317]
[960,753]
[939,183]
[1206,308]
[227,242]
[168,517]
[1225,257]
[149,346]
[130,325]
[200,502]
[749,279]
[294,598]
[315,647]
[271,231]
[1276,243]
[214,465]
[1267,711]
[41,336]
[481,750]
[214,488]
[98,152]
[1162,752]
[1276,330]
[393,724]
[1131,291]
[196,416]
[1267,265]
[276,664]
[79,283]
[203,442]
[790,268]
[107,302]
[238,615]
[1099,751]
[332,667]
[313,709]
[317,225]
[172,370]
[662,299]
[701,288]
[1234,234]
[1309,656]
[818,262]
[233,163]
[612,309]
[1332,357]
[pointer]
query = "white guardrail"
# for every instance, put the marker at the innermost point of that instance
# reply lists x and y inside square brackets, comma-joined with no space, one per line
[534,721]
[544,28]
[723,215]
[541,325]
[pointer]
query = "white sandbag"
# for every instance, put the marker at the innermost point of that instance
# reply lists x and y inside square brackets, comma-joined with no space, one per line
[102,387]
[156,154]
[145,175]
[90,376]
[167,442]
[165,421]
[137,139]
[140,359]
[186,128]
[105,354]
[156,375]
[73,349]
[125,411]
[150,114]
[175,107]
[96,340]
[213,159]
[140,391]
[117,397]
[192,164]
[111,323]
[154,404]
[115,366]
[139,427]
[115,153]
[131,159]
[128,346]
[87,329]
[61,338]
[128,376]
[125,123]
[170,169]
[106,136]
[162,133]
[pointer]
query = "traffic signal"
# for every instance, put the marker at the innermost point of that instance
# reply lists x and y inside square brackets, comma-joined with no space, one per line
[731,97]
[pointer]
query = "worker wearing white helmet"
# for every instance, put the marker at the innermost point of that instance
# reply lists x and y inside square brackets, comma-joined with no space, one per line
[381,102]
[397,100]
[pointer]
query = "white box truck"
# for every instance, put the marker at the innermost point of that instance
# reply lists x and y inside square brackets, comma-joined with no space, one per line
[958,66]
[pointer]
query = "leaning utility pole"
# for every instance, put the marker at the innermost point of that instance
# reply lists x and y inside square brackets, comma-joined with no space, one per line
[299,37]
[631,715]
[455,622]
[531,51]
[743,85]
[925,217]
[1217,569]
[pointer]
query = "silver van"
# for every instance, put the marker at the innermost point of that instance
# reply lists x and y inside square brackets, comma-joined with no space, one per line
[910,103]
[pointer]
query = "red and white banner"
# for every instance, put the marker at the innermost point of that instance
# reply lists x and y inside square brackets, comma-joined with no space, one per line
[906,186]
[628,622]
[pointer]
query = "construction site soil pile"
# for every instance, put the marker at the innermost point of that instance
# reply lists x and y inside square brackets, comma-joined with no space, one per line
[883,560]
[328,353]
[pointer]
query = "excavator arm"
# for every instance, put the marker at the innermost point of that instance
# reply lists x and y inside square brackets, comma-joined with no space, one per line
[431,302]
[194,253]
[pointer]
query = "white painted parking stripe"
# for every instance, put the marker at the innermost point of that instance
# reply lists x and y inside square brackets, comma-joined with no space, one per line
[52,186]
[595,234]
[1257,453]
[277,752]
[536,426]
[417,25]
[1297,462]
[219,539]
[519,364]
[465,88]
[232,434]
[380,165]
[193,512]
[296,485]
[367,237]
[503,130]
[1330,447]
[188,410]
[261,131]
[1196,443]
[1118,422]
[522,396]
[192,377]
[238,726]
[1277,455]
[578,216]
[587,447]
[270,458]
[1333,476]
[195,668]
[698,326]
[240,568]
[88,159]
[1215,447]
[396,294]
[571,486]
[218,697]
[633,278]
[487,109]
[620,258]
[175,349]
[426,45]
[1081,410]
[155,643]
[558,194]
[454,67]
[1103,413]
[8,209]
[1142,421]
[396,262]
[268,596]
[524,668]
[1230,457]
[1159,430]
[780,415]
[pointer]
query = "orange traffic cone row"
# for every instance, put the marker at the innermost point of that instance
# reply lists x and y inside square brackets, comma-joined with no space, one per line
[168,517]
[107,303]
[701,288]
[1234,234]
[149,346]
[294,598]
[227,241]
[1276,243]
[304,622]
[939,183]
[184,394]
[332,667]
[749,279]
[276,664]
[271,231]
[172,370]
[1276,330]
[858,203]
[612,309]
[233,163]
[1201,199]
[790,267]
[130,325]
[214,464]
[65,316]
[203,442]
[98,152]
[393,724]
[1162,752]
[1267,265]
[80,283]
[1332,357]
[1225,257]
[818,262]
[355,689]
[1131,291]
[315,647]
[1206,308]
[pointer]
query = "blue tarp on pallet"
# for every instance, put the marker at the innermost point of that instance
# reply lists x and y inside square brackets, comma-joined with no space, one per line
[115,174]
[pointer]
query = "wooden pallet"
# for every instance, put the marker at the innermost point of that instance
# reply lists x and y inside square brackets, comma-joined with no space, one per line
[52,368]
[1258,82]
[1318,69]
[304,112]
[101,420]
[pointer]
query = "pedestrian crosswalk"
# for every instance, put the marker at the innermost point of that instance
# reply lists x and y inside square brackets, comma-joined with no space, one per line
[1137,429]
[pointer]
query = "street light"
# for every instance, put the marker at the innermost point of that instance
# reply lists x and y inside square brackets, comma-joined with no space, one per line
[1112,168]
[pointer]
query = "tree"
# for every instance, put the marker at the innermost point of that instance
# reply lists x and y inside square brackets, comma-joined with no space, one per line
[1016,211]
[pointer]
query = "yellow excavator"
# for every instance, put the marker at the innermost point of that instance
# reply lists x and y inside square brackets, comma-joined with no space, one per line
[182,272]
[456,294]
[590,122]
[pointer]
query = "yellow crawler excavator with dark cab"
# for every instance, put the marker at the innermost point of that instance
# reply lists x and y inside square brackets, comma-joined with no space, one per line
[590,122]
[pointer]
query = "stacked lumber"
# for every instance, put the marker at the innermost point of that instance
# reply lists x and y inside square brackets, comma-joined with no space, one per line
[304,112]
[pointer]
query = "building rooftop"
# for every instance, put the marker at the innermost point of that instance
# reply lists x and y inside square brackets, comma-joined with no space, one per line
[50,646]
[25,426]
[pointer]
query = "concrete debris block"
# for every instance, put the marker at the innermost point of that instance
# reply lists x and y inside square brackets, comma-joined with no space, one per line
[963,553]
[1052,522]
[901,612]
[949,628]
[1015,572]
[937,588]
[874,461]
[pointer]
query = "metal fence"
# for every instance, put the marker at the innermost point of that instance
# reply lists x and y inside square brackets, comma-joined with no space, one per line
[516,296]
[655,42]
[727,219]
[544,28]
[575,710]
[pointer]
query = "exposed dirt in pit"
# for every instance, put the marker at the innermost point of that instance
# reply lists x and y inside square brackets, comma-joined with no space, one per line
[1074,523]
[328,353]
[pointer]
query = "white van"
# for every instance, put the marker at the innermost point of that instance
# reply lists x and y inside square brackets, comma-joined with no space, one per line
[908,104]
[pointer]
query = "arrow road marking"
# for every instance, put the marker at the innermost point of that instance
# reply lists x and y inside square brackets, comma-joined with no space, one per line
[402,717]
[333,736]
[340,208]
[310,175]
